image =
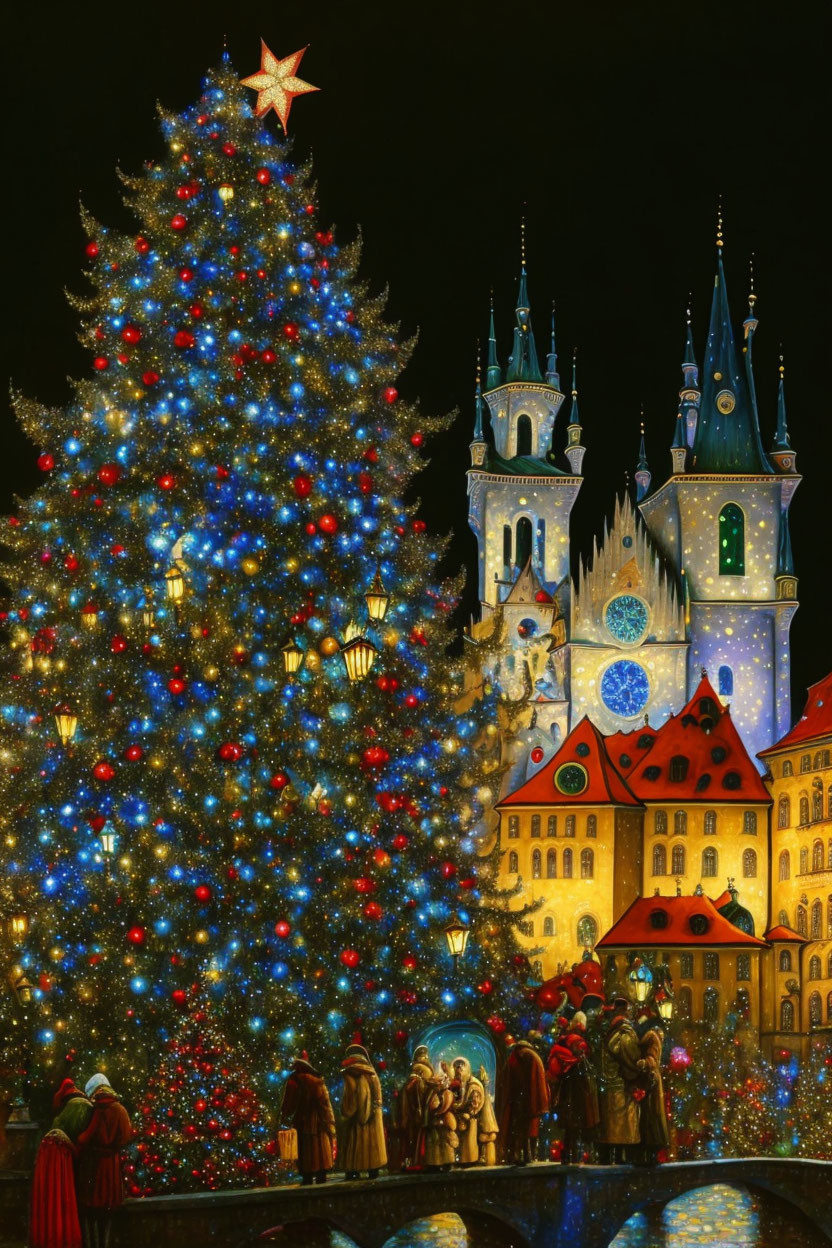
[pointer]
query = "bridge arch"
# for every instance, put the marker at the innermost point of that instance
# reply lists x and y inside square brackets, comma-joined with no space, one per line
[460,1228]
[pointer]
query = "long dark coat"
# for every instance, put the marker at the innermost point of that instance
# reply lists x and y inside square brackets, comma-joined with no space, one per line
[307,1105]
[525,1097]
[652,1112]
[100,1183]
[620,1055]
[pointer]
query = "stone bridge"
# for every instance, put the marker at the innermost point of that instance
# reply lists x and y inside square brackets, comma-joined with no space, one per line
[537,1206]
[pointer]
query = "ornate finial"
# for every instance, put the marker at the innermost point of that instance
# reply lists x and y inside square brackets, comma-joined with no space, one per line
[688,309]
[752,298]
[479,365]
[720,242]
[574,372]
[782,367]
[523,242]
[703,672]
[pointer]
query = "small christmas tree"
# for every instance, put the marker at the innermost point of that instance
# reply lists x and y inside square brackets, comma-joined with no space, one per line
[749,1119]
[813,1101]
[203,1125]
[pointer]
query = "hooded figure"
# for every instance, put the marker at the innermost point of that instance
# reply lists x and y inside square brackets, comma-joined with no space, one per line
[441,1139]
[525,1099]
[54,1207]
[306,1102]
[411,1113]
[361,1113]
[476,1123]
[578,1112]
[652,1112]
[100,1186]
[620,1055]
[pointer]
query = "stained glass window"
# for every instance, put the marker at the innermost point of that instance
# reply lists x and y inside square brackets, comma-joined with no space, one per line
[731,541]
[626,618]
[625,689]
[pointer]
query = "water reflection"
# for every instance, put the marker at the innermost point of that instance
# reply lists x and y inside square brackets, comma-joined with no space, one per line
[720,1216]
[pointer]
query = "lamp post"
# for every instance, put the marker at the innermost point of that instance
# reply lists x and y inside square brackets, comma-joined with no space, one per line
[107,836]
[293,657]
[456,937]
[641,981]
[377,599]
[175,583]
[66,721]
[18,927]
[358,652]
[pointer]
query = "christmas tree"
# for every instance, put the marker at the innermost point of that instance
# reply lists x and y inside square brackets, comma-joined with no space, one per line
[230,741]
[812,1101]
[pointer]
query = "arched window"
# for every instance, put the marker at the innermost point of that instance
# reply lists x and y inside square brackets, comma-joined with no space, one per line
[551,865]
[540,551]
[829,917]
[548,926]
[743,1002]
[678,767]
[784,812]
[711,1005]
[814,967]
[570,825]
[524,435]
[785,865]
[749,823]
[829,855]
[804,859]
[592,825]
[829,806]
[749,863]
[829,1007]
[743,966]
[710,862]
[815,1015]
[514,826]
[829,966]
[786,1016]
[710,823]
[523,542]
[817,856]
[680,823]
[817,800]
[567,864]
[802,921]
[726,682]
[537,969]
[788,770]
[661,823]
[535,825]
[587,931]
[686,965]
[513,861]
[677,862]
[783,918]
[785,960]
[536,865]
[731,541]
[684,1001]
[552,825]
[710,962]
[659,860]
[507,545]
[587,864]
[806,762]
[817,920]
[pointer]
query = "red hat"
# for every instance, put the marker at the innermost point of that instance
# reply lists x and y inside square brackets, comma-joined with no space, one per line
[65,1091]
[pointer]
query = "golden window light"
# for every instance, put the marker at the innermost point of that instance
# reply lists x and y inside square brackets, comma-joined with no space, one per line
[18,926]
[89,615]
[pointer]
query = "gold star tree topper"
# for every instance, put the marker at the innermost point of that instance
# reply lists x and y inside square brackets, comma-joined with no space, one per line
[276,84]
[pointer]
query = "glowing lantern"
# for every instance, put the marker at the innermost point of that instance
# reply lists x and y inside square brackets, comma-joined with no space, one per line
[89,615]
[664,1004]
[292,657]
[377,599]
[18,927]
[226,192]
[175,583]
[66,722]
[107,836]
[358,653]
[148,614]
[641,981]
[22,985]
[456,935]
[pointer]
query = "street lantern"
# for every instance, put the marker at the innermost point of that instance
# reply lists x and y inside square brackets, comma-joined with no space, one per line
[148,614]
[89,615]
[377,599]
[175,583]
[456,935]
[66,721]
[225,192]
[641,981]
[358,652]
[665,1005]
[18,927]
[107,836]
[21,984]
[292,657]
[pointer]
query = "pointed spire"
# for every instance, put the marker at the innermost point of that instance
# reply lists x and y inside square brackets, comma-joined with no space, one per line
[524,364]
[781,438]
[574,416]
[552,375]
[574,451]
[727,429]
[643,476]
[689,396]
[478,405]
[689,362]
[749,325]
[493,375]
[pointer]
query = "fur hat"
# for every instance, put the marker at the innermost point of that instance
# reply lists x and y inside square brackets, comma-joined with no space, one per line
[97,1081]
[357,1050]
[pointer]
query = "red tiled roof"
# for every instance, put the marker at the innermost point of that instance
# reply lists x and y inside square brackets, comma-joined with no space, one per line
[626,749]
[635,930]
[585,746]
[719,766]
[722,899]
[784,933]
[816,720]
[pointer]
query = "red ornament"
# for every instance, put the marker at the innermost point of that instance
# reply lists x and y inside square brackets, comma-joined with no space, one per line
[91,249]
[364,885]
[327,523]
[179,997]
[142,246]
[186,275]
[365,483]
[302,486]
[178,222]
[496,1024]
[71,563]
[419,526]
[231,751]
[46,462]
[108,474]
[202,892]
[195,310]
[448,870]
[399,841]
[229,149]
[311,528]
[268,356]
[133,753]
[131,333]
[282,929]
[103,771]
[183,339]
[291,331]
[409,962]
[537,754]
[279,780]
[118,644]
[100,363]
[166,482]
[350,958]
[542,596]
[485,987]
[150,378]
[177,685]
[416,439]
[136,935]
[375,757]
[263,177]
[373,910]
[391,394]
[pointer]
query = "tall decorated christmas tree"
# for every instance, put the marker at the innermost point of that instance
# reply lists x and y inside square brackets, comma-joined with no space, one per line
[230,753]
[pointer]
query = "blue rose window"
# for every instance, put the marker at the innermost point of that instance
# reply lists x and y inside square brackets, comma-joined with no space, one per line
[626,618]
[625,688]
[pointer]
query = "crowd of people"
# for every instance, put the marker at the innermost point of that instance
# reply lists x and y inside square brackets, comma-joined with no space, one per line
[602,1087]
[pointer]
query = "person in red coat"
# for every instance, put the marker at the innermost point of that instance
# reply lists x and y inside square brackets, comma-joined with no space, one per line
[306,1102]
[100,1185]
[53,1222]
[525,1099]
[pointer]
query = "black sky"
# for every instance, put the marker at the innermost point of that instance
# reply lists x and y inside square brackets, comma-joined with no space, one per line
[617,125]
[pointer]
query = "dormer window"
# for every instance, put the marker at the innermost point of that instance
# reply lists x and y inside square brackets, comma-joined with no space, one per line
[678,768]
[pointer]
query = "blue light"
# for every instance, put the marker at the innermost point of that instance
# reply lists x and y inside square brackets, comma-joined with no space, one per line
[138,984]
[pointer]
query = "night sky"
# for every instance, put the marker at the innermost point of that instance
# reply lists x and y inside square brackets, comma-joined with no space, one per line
[613,127]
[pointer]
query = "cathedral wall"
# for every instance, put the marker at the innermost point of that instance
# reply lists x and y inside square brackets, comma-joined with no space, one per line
[700,501]
[503,501]
[666,669]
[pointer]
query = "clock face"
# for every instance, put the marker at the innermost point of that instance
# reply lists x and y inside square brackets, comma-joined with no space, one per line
[571,778]
[625,688]
[626,618]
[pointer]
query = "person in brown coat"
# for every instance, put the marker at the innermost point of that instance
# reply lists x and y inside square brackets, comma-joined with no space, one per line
[411,1113]
[652,1112]
[441,1139]
[577,1106]
[620,1055]
[306,1102]
[100,1186]
[361,1113]
[525,1099]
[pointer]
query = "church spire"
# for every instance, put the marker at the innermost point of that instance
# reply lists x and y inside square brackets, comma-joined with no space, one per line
[574,451]
[524,364]
[781,452]
[690,394]
[552,375]
[749,326]
[493,374]
[643,476]
[727,431]
[479,446]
